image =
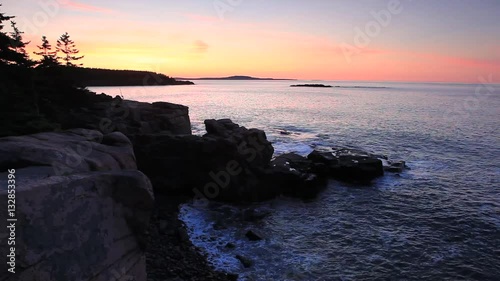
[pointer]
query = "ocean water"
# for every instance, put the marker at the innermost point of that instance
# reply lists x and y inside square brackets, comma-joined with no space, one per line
[440,220]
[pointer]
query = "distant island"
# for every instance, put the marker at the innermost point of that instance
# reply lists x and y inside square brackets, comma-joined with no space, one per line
[312,85]
[107,77]
[236,77]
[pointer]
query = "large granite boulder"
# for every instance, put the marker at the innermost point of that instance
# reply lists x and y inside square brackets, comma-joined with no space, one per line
[252,143]
[77,150]
[224,164]
[131,117]
[348,164]
[84,221]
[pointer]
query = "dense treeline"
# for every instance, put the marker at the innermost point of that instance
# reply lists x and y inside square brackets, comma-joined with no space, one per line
[107,77]
[37,95]
[41,95]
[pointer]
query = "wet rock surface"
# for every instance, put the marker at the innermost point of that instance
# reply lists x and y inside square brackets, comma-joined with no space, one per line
[350,165]
[253,235]
[246,262]
[170,255]
[295,176]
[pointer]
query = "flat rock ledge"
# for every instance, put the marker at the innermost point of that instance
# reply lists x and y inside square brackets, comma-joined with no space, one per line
[82,207]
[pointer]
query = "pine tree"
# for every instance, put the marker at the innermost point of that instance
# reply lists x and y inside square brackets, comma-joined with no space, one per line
[68,48]
[17,43]
[8,53]
[49,57]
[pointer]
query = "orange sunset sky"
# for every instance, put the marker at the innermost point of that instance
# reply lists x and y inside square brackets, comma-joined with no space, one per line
[389,40]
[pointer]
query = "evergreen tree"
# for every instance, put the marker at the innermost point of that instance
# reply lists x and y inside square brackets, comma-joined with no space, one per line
[49,57]
[8,52]
[69,50]
[17,43]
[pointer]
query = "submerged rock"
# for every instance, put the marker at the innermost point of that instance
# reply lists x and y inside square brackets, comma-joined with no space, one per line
[246,262]
[395,166]
[252,235]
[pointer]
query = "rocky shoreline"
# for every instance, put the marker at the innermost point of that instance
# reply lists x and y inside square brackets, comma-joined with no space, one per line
[125,171]
[170,254]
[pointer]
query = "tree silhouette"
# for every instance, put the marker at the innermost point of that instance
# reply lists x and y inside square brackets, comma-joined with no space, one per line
[11,52]
[49,57]
[17,43]
[68,48]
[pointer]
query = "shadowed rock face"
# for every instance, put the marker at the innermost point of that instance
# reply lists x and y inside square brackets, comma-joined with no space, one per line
[295,175]
[233,163]
[86,221]
[132,117]
[229,158]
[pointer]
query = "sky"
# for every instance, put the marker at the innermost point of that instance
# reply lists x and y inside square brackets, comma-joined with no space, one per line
[365,40]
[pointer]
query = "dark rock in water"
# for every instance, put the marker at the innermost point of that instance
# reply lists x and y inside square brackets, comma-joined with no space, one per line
[223,165]
[312,85]
[221,128]
[285,132]
[230,246]
[348,164]
[295,176]
[395,166]
[249,143]
[253,236]
[246,262]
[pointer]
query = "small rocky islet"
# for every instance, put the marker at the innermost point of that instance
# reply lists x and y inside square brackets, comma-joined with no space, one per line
[311,86]
[112,187]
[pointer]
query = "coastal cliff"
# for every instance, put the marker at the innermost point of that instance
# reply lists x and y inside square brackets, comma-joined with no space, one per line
[82,207]
[102,200]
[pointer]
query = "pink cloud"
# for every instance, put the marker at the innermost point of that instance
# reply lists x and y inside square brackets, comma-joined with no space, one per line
[200,46]
[83,7]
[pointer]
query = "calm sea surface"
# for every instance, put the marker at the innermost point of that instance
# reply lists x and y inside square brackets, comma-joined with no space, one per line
[438,221]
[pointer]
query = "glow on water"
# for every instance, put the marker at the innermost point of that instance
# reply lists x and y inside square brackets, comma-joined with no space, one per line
[439,220]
